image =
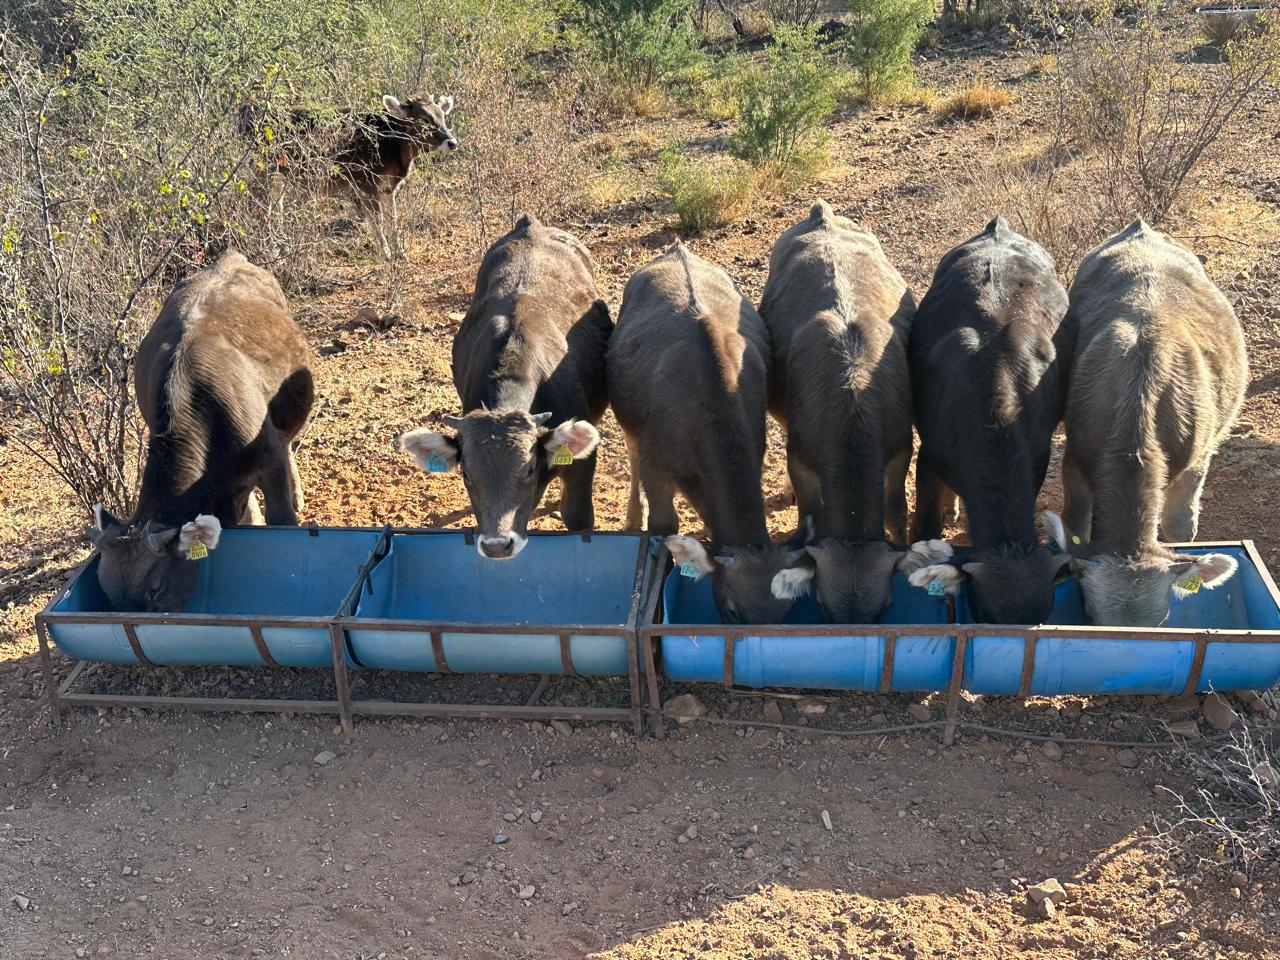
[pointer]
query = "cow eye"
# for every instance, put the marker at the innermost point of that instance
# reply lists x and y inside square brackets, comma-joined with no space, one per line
[532,468]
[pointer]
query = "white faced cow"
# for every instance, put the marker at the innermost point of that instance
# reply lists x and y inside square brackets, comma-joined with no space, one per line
[1157,378]
[223,380]
[689,381]
[529,366]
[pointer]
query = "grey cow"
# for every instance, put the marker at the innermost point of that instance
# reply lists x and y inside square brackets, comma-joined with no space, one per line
[839,315]
[1157,379]
[530,352]
[689,380]
[224,383]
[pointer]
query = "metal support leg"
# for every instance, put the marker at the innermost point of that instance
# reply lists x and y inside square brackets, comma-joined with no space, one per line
[651,676]
[953,690]
[50,681]
[633,679]
[340,680]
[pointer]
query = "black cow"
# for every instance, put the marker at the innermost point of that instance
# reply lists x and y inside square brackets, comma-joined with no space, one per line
[689,381]
[531,351]
[223,380]
[989,391]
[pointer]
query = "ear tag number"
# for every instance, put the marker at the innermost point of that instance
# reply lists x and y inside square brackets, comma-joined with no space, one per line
[563,457]
[687,569]
[1191,584]
[197,550]
[436,464]
[937,588]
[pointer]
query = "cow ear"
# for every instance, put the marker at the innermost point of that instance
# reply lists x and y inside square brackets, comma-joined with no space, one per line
[948,578]
[689,554]
[1208,571]
[540,419]
[106,529]
[793,582]
[446,105]
[393,105]
[102,520]
[577,436]
[434,452]
[923,553]
[205,529]
[973,569]
[158,538]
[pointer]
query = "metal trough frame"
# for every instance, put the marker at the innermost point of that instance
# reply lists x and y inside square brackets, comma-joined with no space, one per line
[62,696]
[962,632]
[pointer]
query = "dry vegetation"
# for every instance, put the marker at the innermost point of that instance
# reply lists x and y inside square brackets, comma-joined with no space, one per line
[125,173]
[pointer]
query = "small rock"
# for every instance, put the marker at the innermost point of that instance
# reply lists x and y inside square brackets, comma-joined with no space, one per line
[546,833]
[331,349]
[208,922]
[468,876]
[920,712]
[1218,713]
[1127,759]
[562,727]
[749,853]
[81,951]
[324,756]
[1046,909]
[1235,893]
[483,762]
[811,708]
[526,893]
[567,909]
[510,817]
[1052,750]
[500,838]
[21,902]
[1187,729]
[772,713]
[535,816]
[1251,700]
[692,832]
[1238,879]
[1020,757]
[685,708]
[1049,889]
[1266,774]
[878,720]
[826,819]
[997,864]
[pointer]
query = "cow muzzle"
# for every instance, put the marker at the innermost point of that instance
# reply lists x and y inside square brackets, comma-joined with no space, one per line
[500,548]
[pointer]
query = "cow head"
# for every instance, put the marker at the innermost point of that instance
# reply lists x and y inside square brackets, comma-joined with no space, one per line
[854,580]
[148,568]
[1138,590]
[740,577]
[506,461]
[426,119]
[1010,585]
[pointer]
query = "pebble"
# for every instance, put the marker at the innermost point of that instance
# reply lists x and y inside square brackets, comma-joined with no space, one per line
[1049,889]
[500,838]
[535,816]
[467,877]
[811,708]
[1187,729]
[483,762]
[562,727]
[1052,750]
[1218,713]
[526,893]
[1266,774]
[749,853]
[1238,879]
[878,720]
[772,713]
[920,712]
[1020,757]
[1251,700]
[324,756]
[509,817]
[997,864]
[685,708]
[21,902]
[1046,908]
[826,819]
[80,951]
[691,833]
[568,908]
[1127,759]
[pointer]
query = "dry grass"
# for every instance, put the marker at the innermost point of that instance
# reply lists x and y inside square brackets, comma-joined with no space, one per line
[979,99]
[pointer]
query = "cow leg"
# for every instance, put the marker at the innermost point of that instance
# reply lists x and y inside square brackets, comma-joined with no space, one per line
[1181,519]
[1077,498]
[635,501]
[276,482]
[295,479]
[374,207]
[576,508]
[895,495]
[933,499]
[660,494]
[397,244]
[807,487]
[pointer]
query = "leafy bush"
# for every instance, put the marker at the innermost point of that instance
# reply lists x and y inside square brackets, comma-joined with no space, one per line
[978,99]
[639,44]
[800,13]
[780,105]
[704,194]
[880,38]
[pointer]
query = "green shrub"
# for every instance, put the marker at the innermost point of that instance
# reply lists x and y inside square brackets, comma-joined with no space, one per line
[704,193]
[780,105]
[881,35]
[639,44]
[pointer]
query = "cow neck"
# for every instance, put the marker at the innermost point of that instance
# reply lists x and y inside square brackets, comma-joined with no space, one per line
[1128,498]
[852,481]
[732,501]
[998,519]
[177,484]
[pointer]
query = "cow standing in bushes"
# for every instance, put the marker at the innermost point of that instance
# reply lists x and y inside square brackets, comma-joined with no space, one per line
[989,387]
[689,382]
[530,352]
[224,383]
[839,315]
[1158,376]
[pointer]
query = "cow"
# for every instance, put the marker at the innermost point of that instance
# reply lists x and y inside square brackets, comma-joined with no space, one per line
[988,382]
[1158,376]
[374,154]
[224,384]
[839,315]
[529,367]
[689,382]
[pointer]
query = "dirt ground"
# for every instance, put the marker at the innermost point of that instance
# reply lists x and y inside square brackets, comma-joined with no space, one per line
[168,835]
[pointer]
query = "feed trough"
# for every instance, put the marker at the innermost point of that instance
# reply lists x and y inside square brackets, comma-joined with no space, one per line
[267,596]
[565,605]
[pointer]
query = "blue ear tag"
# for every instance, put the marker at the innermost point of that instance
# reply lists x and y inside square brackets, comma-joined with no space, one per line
[937,588]
[687,569]
[436,464]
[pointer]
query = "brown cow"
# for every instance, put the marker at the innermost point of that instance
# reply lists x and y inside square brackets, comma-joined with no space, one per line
[224,384]
[1157,378]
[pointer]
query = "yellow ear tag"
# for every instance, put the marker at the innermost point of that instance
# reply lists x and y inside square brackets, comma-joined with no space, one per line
[1075,539]
[1191,584]
[563,457]
[197,550]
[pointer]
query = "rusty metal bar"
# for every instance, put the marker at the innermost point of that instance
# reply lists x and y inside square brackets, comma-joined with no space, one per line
[341,681]
[651,677]
[633,682]
[203,704]
[566,657]
[886,667]
[953,688]
[1028,665]
[46,665]
[437,653]
[263,650]
[1197,666]
[730,651]
[132,634]
[65,687]
[479,711]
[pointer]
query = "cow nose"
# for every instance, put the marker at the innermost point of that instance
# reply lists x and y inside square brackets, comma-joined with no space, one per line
[451,144]
[496,547]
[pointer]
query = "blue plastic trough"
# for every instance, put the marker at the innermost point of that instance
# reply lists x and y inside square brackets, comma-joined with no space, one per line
[264,595]
[566,604]
[1224,639]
